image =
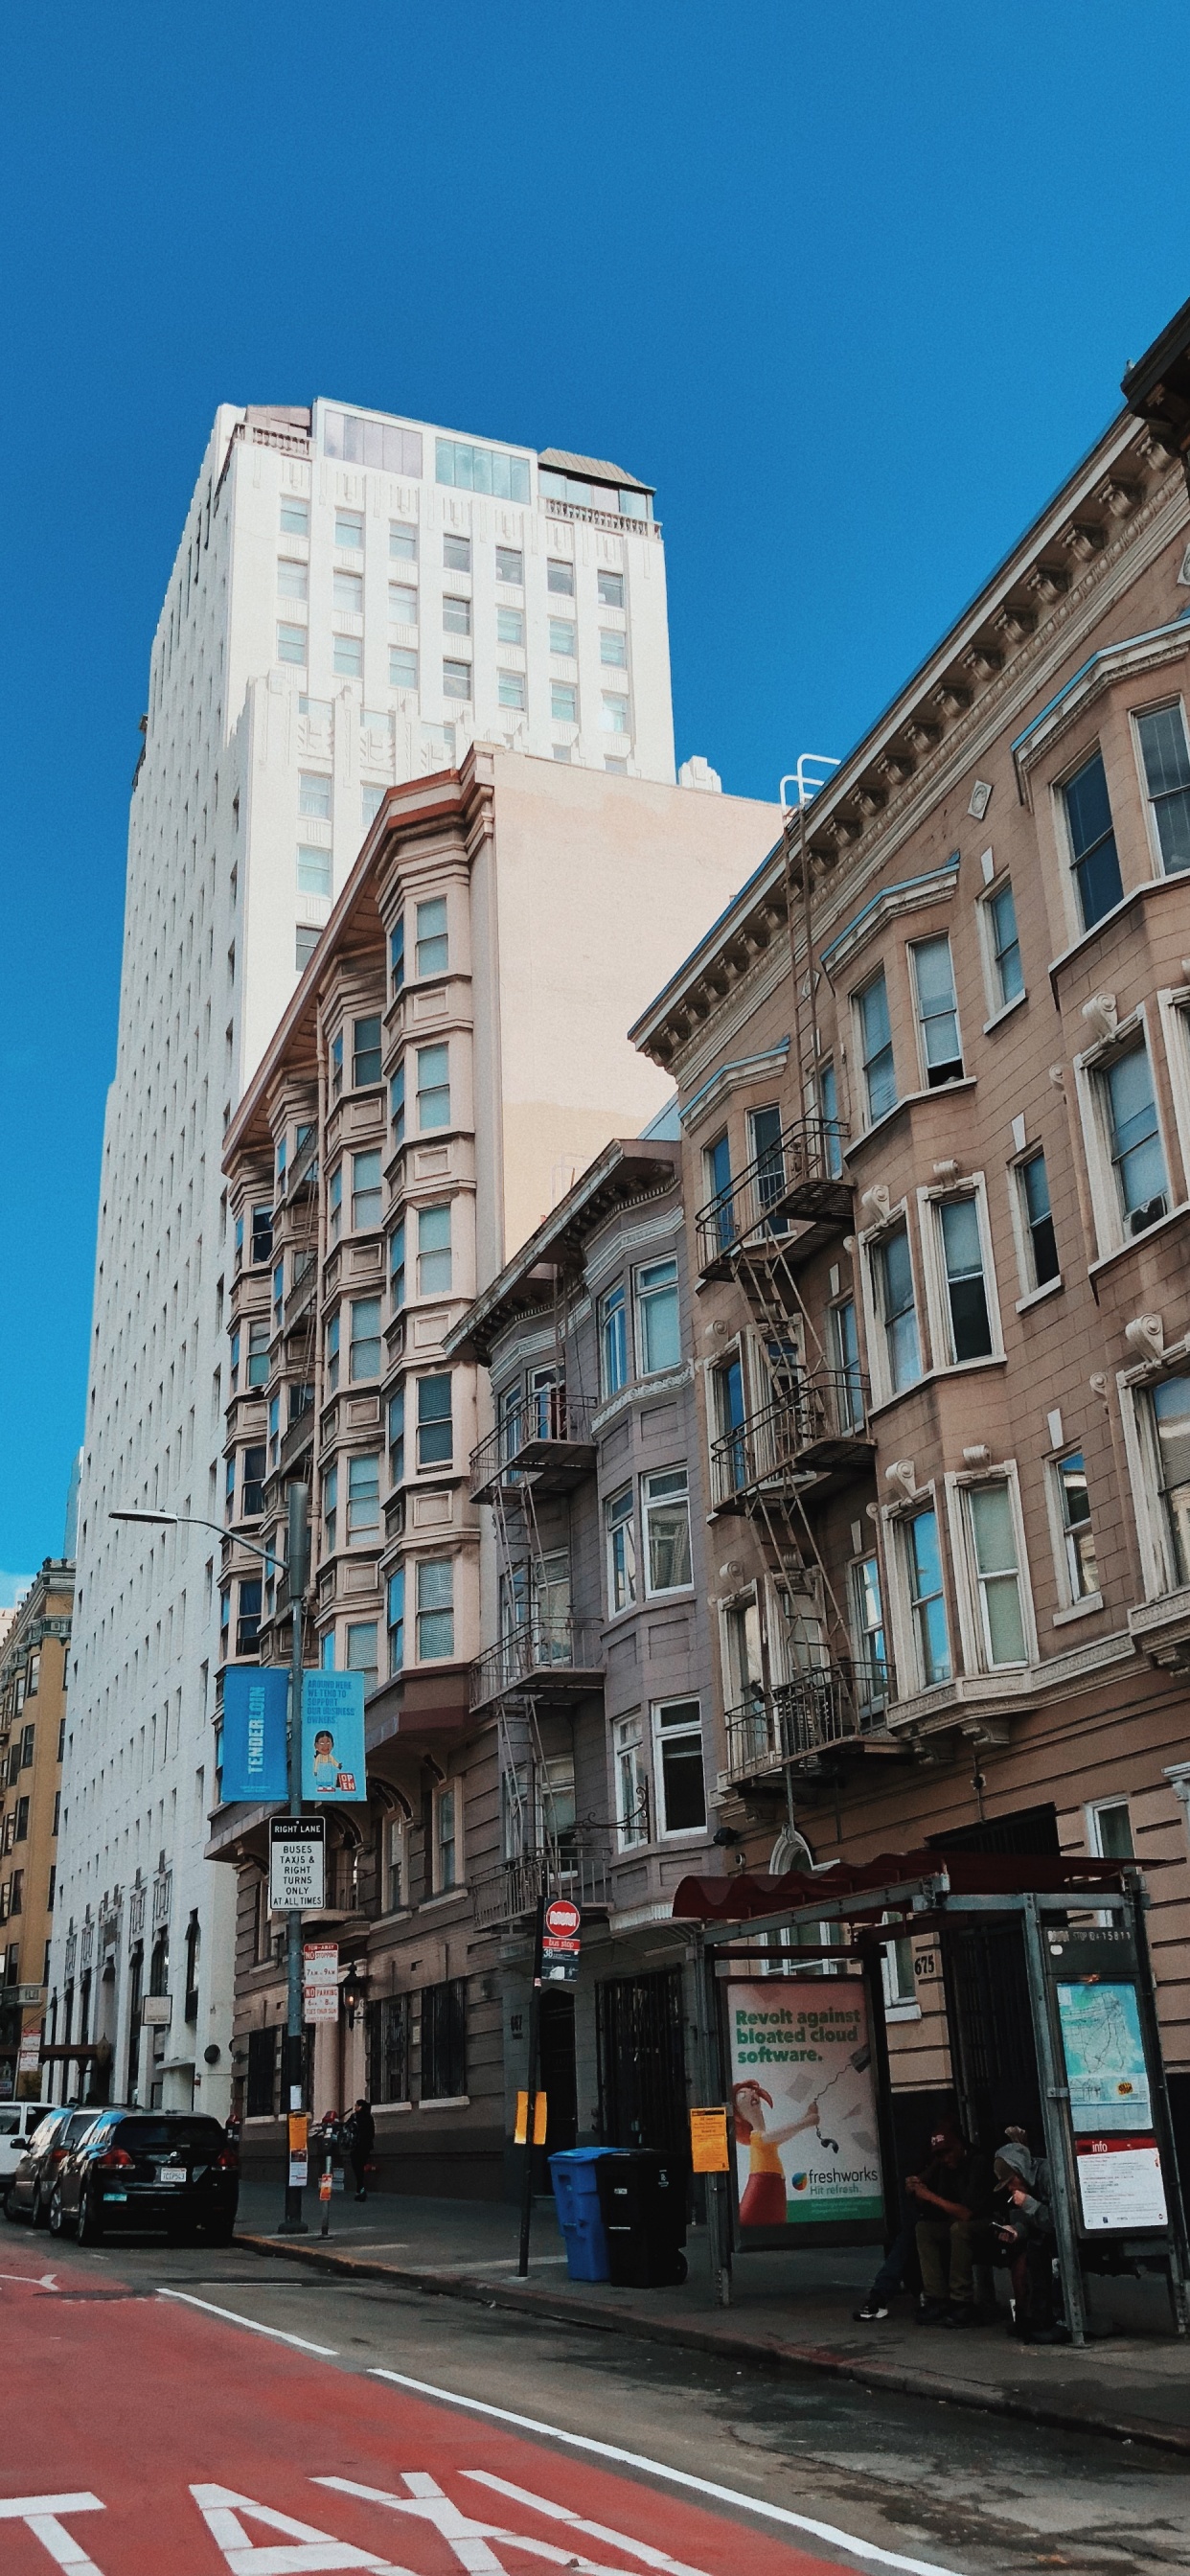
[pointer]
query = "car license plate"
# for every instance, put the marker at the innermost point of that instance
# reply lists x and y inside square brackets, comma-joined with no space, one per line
[172,2173]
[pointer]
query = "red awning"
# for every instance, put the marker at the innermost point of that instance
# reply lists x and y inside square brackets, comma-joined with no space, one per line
[753,1893]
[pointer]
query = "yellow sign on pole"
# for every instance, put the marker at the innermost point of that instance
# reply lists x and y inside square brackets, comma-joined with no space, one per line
[539,2119]
[299,2132]
[520,2135]
[708,2142]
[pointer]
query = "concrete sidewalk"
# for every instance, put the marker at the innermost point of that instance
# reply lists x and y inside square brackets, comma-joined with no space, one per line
[790,2311]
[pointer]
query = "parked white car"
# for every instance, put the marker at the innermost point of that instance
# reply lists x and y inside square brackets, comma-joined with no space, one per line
[18,2120]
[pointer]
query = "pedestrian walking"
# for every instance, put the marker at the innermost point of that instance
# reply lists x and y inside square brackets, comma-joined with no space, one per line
[361,2138]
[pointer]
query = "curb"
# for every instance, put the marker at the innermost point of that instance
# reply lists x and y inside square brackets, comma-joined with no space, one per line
[762,2351]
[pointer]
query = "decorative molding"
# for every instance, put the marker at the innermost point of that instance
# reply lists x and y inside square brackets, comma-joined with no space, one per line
[1146,1336]
[1101,1015]
[910,895]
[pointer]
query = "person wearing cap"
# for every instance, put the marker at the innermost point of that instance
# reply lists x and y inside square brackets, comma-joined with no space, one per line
[953,2198]
[1025,2229]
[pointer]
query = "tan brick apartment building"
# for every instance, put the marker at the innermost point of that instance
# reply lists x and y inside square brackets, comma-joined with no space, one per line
[934,1081]
[453,1056]
[33,1670]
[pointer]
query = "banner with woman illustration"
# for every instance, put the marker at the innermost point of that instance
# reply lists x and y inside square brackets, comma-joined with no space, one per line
[803,2103]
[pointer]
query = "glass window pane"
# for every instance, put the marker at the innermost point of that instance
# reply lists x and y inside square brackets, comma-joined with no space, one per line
[1006,950]
[936,1005]
[1093,841]
[876,1046]
[1136,1143]
[970,1322]
[1167,776]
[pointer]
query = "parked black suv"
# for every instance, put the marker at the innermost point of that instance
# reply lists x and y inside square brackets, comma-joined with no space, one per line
[148,2169]
[28,2194]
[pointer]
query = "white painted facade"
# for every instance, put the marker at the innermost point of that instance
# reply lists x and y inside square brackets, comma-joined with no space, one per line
[264,702]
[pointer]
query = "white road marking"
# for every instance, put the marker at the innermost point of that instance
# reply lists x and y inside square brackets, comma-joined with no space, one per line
[577,2522]
[40,2514]
[469,2540]
[33,2280]
[325,2351]
[828,2531]
[222,2510]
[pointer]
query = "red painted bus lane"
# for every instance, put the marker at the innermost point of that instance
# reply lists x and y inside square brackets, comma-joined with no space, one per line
[148,2437]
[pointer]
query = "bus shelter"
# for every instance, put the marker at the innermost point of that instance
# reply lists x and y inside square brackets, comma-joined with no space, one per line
[1051,2025]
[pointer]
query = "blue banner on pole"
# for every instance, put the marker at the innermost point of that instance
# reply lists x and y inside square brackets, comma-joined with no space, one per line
[333,1766]
[255,1757]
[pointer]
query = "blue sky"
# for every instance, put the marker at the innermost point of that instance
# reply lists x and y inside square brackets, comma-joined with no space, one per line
[854,287]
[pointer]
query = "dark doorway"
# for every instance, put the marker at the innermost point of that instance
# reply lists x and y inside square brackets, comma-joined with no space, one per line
[1031,1829]
[642,2071]
[991,2027]
[558,2082]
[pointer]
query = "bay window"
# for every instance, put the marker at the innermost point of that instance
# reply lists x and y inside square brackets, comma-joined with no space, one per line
[363,1500]
[365,1339]
[621,1552]
[433,1087]
[1166,758]
[1134,1137]
[658,1326]
[1169,1404]
[876,1053]
[435,1609]
[923,1563]
[1078,1537]
[396,1624]
[1041,1244]
[435,1429]
[365,1192]
[613,1340]
[937,1011]
[996,1561]
[632,1783]
[667,1530]
[969,1324]
[893,1271]
[678,1767]
[434,1264]
[1094,856]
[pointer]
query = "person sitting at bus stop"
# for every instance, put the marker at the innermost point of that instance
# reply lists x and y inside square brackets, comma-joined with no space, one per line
[899,2270]
[953,2199]
[763,2200]
[1025,2228]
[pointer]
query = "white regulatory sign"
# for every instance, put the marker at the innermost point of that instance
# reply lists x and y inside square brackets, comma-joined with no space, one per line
[297,1863]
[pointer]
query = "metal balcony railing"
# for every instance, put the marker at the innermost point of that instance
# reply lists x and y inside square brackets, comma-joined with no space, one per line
[826,1704]
[554,1656]
[545,1438]
[800,1175]
[818,1422]
[578,1868]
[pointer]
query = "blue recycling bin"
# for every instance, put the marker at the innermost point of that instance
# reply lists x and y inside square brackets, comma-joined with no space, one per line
[576,2197]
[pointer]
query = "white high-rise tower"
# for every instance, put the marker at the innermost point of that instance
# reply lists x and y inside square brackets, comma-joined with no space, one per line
[355,599]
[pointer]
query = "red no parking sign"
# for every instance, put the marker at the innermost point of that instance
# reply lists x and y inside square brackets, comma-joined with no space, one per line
[561,1933]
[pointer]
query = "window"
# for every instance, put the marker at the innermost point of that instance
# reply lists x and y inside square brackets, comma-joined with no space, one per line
[510,626]
[365,1192]
[658,1324]
[867,1617]
[456,616]
[896,1970]
[435,1429]
[295,518]
[1078,1537]
[349,528]
[396,1104]
[937,1013]
[366,1052]
[332,1353]
[677,1760]
[563,702]
[258,1353]
[456,679]
[1004,947]
[433,947]
[252,1488]
[482,469]
[371,798]
[510,565]
[611,589]
[402,667]
[396,1437]
[235,1359]
[1033,1184]
[291,644]
[969,1321]
[396,1625]
[445,1847]
[444,2026]
[365,1339]
[335,1202]
[456,554]
[261,1236]
[667,1530]
[1170,1404]
[293,579]
[924,1567]
[21,1833]
[1092,841]
[16,1900]
[397,1266]
[348,592]
[361,1650]
[337,1065]
[388,2017]
[330,1509]
[347,656]
[997,1573]
[616,768]
[402,603]
[559,577]
[248,1624]
[396,956]
[305,941]
[613,1340]
[433,1087]
[613,714]
[313,870]
[1166,760]
[434,1264]
[435,1608]
[828,1101]
[363,1500]
[562,636]
[28,1732]
[621,1552]
[562,751]
[1135,1141]
[632,1783]
[510,688]
[402,542]
[894,1289]
[844,1346]
[382,443]
[1110,1830]
[613,648]
[876,1048]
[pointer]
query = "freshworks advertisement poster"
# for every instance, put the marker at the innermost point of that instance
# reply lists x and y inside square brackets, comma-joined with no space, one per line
[803,2102]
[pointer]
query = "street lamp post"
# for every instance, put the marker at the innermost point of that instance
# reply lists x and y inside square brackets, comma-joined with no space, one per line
[298,1500]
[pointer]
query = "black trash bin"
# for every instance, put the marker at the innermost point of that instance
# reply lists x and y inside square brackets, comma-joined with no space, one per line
[642,2196]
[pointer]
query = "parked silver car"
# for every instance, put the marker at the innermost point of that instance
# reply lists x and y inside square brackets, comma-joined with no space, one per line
[28,2193]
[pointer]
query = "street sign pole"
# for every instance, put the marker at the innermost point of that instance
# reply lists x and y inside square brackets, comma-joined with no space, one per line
[531,2105]
[293,2224]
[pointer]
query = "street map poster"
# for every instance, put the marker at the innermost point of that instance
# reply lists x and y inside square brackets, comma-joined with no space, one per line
[1119,2183]
[803,2102]
[333,1739]
[1105,2058]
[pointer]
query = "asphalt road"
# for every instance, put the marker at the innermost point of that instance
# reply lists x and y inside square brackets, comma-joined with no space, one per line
[148,2388]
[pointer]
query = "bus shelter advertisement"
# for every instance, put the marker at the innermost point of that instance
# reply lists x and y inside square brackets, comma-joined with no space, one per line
[803,2103]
